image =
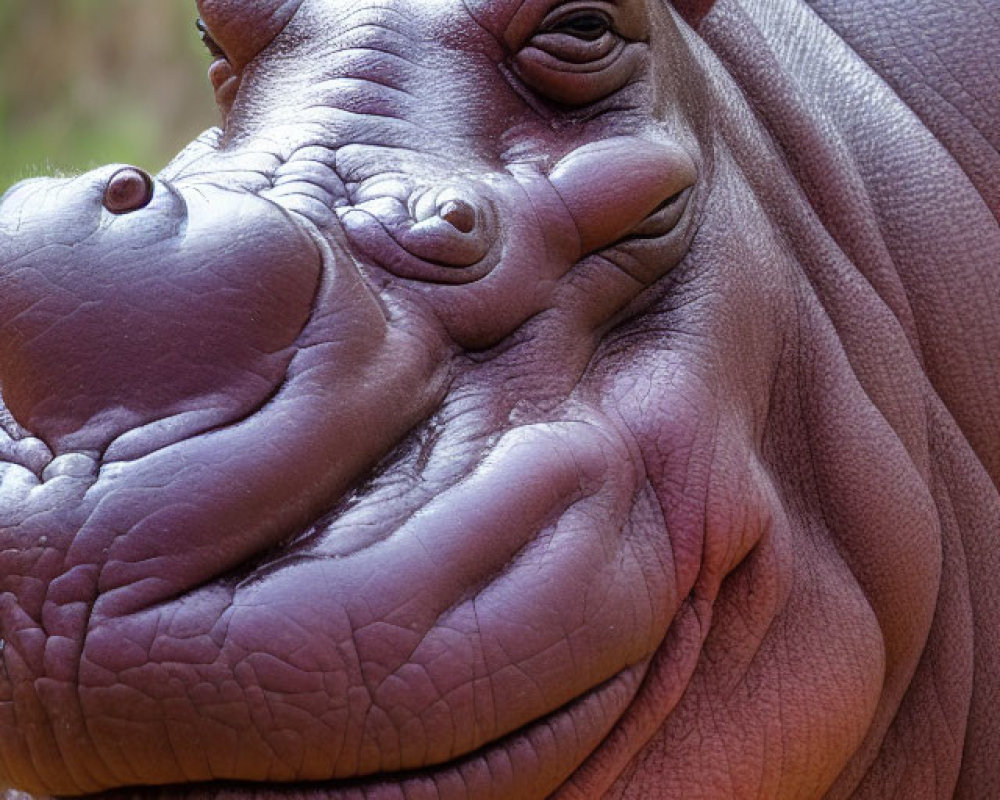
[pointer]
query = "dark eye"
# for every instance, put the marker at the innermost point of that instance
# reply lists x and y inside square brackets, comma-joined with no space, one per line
[210,43]
[587,25]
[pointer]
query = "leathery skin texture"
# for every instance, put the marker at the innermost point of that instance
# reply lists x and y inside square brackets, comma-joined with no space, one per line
[518,399]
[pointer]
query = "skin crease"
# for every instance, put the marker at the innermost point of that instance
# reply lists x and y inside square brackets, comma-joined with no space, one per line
[517,399]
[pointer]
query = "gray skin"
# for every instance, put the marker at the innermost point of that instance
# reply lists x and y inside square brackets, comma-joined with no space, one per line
[514,399]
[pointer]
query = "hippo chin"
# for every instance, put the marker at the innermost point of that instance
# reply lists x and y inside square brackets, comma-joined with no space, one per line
[518,399]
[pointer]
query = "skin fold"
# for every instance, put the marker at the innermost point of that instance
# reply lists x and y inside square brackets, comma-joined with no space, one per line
[518,399]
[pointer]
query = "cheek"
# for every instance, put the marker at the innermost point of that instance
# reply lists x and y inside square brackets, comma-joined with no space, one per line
[481,317]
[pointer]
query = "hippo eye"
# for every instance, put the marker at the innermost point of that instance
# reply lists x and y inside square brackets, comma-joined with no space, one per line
[582,52]
[210,43]
[588,26]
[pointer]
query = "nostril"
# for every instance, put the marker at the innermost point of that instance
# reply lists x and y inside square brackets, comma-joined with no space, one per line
[128,190]
[459,214]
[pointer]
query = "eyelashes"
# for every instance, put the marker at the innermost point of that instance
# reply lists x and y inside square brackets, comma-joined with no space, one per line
[588,26]
[211,45]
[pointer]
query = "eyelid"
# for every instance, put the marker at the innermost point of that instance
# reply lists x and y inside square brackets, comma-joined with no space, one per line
[574,50]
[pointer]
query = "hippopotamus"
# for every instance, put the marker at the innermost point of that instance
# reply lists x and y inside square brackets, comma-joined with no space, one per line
[518,399]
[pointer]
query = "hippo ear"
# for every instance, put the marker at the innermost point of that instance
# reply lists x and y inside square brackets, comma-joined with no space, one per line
[693,10]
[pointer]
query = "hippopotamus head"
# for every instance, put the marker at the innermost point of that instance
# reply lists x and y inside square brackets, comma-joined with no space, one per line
[512,397]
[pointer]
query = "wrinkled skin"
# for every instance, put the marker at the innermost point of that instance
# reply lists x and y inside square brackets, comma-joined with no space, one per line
[519,399]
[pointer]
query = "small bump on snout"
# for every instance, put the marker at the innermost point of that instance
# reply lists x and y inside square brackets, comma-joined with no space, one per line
[459,214]
[128,190]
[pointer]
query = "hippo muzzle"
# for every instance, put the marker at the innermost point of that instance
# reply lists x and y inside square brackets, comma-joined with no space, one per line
[212,378]
[124,332]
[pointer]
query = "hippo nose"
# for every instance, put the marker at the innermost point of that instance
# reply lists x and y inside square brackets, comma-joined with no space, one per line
[460,214]
[443,233]
[127,190]
[451,226]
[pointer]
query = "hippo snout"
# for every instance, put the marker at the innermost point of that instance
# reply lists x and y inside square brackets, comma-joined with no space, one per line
[46,212]
[126,302]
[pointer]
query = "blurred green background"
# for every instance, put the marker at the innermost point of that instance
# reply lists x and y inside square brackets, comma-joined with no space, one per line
[89,82]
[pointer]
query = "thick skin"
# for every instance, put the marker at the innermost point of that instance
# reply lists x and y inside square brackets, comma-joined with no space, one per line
[518,399]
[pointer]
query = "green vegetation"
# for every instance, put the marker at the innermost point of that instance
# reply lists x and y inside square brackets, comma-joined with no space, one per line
[89,82]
